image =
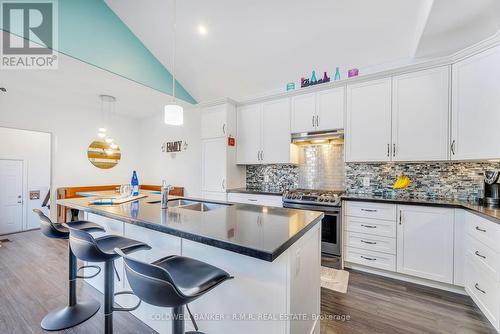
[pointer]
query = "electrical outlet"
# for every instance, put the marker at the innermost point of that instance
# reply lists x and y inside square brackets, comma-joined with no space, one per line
[266,178]
[366,181]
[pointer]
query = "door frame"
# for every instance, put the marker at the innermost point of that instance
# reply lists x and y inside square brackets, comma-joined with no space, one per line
[53,192]
[24,187]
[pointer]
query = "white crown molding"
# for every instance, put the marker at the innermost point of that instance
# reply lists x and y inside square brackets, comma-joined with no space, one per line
[417,65]
[217,102]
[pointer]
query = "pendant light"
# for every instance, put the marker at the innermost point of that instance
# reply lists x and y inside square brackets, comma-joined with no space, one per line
[174,113]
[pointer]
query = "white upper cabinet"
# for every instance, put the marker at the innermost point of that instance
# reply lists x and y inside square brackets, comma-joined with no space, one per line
[276,131]
[330,109]
[425,242]
[248,143]
[264,133]
[304,113]
[214,122]
[214,165]
[319,111]
[476,107]
[368,126]
[420,121]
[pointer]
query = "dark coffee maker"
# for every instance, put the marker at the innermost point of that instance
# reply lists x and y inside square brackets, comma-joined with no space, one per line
[491,189]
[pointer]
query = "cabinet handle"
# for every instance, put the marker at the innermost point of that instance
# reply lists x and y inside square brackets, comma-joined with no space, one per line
[252,200]
[388,150]
[224,128]
[368,242]
[313,121]
[368,258]
[453,147]
[479,254]
[393,150]
[368,226]
[477,288]
[223,184]
[480,229]
[261,155]
[369,210]
[317,120]
[400,217]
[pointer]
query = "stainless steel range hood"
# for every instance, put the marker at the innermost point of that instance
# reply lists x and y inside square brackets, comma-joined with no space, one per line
[320,137]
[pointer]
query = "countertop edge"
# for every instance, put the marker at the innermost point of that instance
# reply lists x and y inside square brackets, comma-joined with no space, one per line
[253,192]
[463,206]
[248,251]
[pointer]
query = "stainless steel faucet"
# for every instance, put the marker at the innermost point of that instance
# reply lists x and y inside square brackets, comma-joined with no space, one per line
[165,189]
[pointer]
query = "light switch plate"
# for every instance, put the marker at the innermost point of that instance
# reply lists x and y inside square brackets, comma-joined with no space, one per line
[366,181]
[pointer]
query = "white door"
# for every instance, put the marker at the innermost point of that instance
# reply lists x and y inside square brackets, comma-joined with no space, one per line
[304,113]
[213,122]
[475,107]
[248,145]
[11,196]
[425,242]
[276,134]
[420,109]
[368,127]
[214,165]
[330,109]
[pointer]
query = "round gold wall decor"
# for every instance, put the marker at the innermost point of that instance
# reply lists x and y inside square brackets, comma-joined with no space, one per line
[103,155]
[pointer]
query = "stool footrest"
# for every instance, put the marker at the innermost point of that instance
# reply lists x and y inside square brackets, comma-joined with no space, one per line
[126,309]
[90,276]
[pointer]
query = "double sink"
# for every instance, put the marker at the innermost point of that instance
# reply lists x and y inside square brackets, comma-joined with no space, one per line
[191,205]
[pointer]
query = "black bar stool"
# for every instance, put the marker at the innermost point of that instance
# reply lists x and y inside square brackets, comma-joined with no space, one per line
[75,312]
[88,248]
[173,281]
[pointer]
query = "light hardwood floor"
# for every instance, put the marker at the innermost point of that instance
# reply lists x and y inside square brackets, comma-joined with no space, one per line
[33,274]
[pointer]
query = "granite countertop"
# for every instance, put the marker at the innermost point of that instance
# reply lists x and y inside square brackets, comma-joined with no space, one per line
[474,207]
[257,231]
[257,191]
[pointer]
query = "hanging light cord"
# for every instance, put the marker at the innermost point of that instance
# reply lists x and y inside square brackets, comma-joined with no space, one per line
[173,47]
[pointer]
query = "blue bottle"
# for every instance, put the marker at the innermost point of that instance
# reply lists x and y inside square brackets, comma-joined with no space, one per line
[337,74]
[313,77]
[135,184]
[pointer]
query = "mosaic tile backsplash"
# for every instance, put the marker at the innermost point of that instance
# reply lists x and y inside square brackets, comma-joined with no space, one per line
[320,167]
[449,180]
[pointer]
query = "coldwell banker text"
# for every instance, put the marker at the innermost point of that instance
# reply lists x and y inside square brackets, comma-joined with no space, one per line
[29,34]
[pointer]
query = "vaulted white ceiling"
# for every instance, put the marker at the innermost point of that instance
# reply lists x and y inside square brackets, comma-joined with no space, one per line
[256,47]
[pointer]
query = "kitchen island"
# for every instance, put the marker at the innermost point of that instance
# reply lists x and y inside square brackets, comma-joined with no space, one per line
[273,253]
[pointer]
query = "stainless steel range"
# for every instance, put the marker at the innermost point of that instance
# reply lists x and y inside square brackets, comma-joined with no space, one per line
[326,201]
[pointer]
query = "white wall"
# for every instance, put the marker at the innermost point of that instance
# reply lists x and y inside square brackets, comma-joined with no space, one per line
[33,148]
[183,170]
[73,123]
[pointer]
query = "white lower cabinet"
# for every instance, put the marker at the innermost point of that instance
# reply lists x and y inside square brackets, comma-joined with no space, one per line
[435,246]
[425,242]
[266,200]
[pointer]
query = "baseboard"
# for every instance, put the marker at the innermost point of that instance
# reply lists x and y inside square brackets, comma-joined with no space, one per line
[407,278]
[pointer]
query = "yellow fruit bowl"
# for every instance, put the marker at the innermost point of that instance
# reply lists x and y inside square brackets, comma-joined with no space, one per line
[402,182]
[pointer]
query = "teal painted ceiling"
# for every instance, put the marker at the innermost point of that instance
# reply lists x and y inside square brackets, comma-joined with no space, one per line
[91,32]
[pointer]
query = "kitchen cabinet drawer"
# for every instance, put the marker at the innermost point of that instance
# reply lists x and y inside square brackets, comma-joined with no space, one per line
[371,210]
[484,290]
[370,258]
[484,257]
[266,200]
[371,242]
[483,230]
[384,228]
